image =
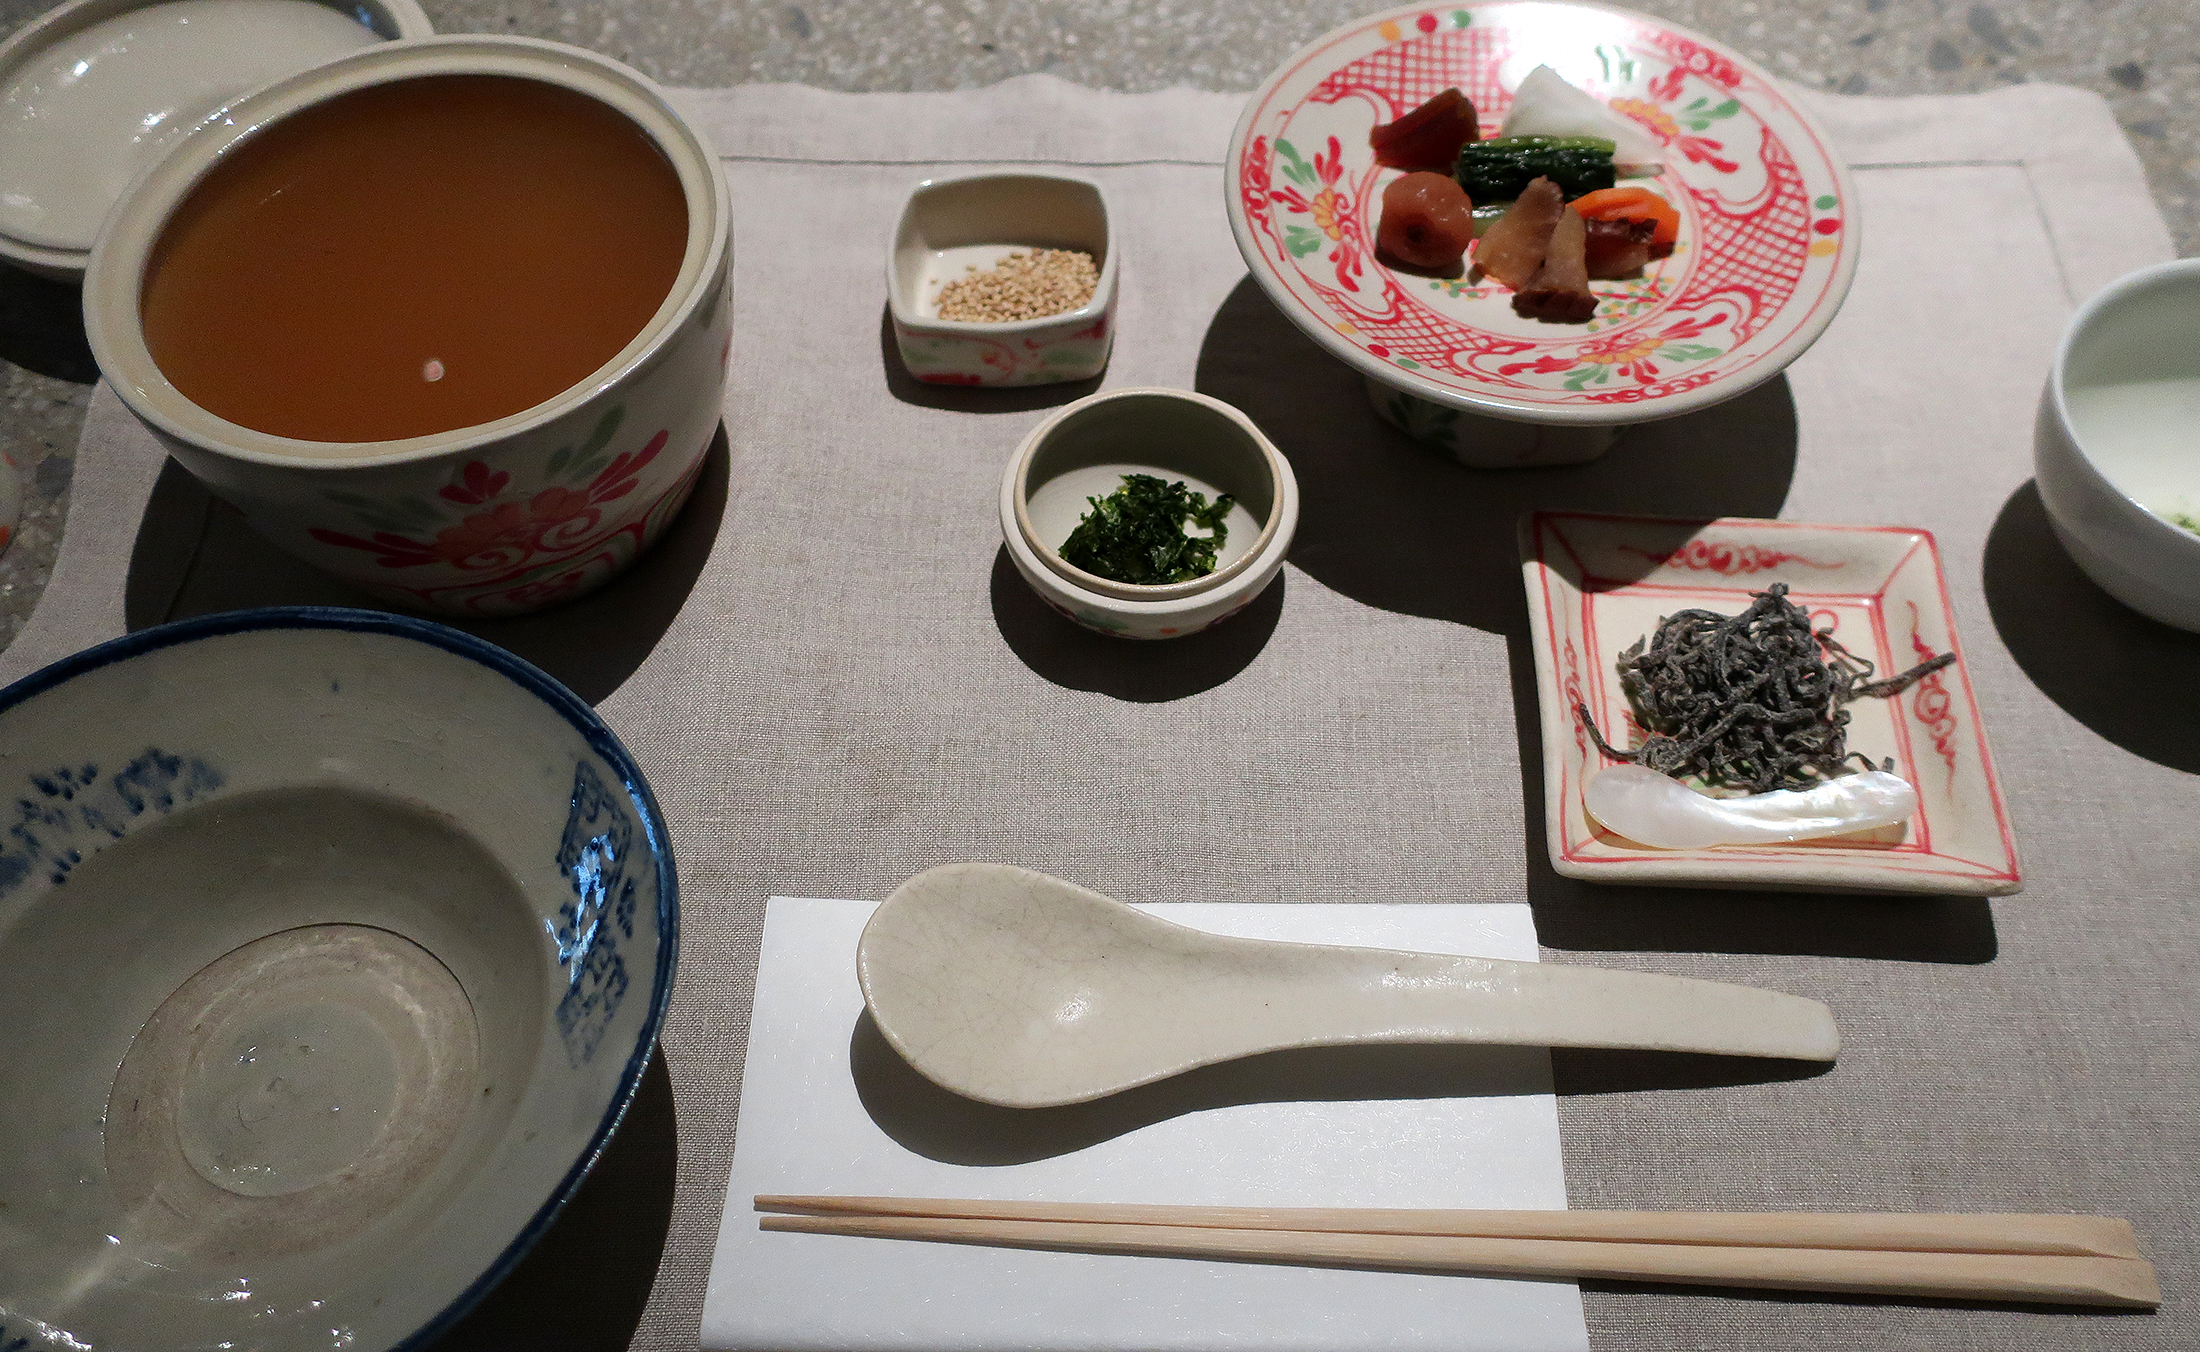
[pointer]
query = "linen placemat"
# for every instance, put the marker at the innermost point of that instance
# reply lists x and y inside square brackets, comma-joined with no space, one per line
[834,679]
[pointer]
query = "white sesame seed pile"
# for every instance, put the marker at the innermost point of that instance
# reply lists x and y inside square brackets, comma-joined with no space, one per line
[1022,286]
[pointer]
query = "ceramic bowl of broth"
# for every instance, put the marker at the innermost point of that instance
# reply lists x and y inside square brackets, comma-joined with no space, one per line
[2117,446]
[471,355]
[337,942]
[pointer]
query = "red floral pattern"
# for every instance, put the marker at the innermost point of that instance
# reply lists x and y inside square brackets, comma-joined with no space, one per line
[1334,212]
[527,550]
[1931,702]
[1718,556]
[1747,275]
[476,484]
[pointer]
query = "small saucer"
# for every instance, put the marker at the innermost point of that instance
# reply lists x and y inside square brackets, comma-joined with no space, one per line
[1596,583]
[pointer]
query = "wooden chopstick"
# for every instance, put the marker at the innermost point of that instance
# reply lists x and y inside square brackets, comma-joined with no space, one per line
[2077,1236]
[2057,1280]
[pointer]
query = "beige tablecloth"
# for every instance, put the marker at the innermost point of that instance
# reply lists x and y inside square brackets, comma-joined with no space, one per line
[834,680]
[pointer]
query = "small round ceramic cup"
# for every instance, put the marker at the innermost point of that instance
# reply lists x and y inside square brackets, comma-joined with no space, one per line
[2137,331]
[497,519]
[1083,452]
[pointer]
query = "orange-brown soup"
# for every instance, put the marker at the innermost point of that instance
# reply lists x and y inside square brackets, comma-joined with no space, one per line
[414,257]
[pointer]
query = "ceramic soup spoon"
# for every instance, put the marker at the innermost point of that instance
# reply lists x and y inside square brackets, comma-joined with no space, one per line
[1014,988]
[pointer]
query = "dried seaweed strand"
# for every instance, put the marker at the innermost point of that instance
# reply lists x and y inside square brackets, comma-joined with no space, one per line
[1752,701]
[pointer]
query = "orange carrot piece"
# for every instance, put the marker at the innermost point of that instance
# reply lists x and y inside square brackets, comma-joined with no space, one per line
[1632,204]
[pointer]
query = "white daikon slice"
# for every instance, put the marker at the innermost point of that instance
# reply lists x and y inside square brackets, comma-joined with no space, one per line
[1545,105]
[1659,810]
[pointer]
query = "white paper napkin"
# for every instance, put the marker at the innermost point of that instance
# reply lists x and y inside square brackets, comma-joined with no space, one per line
[827,1108]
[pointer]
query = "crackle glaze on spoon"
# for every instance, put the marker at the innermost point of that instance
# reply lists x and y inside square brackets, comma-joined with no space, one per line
[1014,988]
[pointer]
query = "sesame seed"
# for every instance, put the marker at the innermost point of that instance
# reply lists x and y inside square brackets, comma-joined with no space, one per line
[1025,285]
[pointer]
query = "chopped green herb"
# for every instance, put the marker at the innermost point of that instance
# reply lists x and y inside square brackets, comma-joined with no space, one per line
[1136,534]
[1497,170]
[2181,521]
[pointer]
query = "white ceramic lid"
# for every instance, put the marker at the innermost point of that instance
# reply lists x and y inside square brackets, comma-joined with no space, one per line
[97,89]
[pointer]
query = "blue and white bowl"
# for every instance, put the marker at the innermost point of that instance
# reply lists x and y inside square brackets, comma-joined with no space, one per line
[336,944]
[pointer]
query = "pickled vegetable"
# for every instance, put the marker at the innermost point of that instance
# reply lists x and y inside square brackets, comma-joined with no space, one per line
[1429,137]
[1494,170]
[1427,222]
[1618,248]
[1634,204]
[1545,105]
[1513,249]
[1559,292]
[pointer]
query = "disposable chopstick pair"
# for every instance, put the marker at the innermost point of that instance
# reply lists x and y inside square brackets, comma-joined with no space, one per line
[2073,1260]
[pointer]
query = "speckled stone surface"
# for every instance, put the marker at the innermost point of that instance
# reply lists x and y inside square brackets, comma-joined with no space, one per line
[2144,55]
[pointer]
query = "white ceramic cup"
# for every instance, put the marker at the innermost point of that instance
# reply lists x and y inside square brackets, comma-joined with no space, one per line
[2141,328]
[495,519]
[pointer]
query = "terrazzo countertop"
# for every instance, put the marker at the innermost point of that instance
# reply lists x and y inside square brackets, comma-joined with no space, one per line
[2144,55]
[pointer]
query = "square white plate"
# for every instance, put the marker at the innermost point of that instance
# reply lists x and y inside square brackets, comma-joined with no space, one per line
[1596,583]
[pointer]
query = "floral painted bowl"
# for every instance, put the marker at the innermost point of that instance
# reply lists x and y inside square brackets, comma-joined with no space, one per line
[1768,232]
[337,945]
[505,517]
[950,226]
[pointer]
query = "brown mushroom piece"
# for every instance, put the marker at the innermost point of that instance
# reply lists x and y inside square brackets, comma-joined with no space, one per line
[1513,249]
[1559,292]
[1618,248]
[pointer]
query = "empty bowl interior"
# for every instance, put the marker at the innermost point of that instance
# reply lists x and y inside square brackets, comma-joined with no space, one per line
[2131,386]
[332,953]
[973,223]
[1088,452]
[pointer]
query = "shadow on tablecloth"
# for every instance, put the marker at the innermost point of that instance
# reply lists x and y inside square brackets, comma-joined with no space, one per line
[1075,658]
[1398,526]
[939,1125]
[2128,678]
[582,1287]
[196,556]
[42,327]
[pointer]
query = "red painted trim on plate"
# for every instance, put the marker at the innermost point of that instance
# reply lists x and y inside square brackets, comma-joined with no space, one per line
[1547,525]
[1264,111]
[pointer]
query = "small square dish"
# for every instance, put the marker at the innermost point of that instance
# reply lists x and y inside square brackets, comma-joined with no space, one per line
[1596,583]
[954,229]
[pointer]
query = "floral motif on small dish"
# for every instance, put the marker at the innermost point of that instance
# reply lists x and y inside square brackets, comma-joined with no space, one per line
[1597,583]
